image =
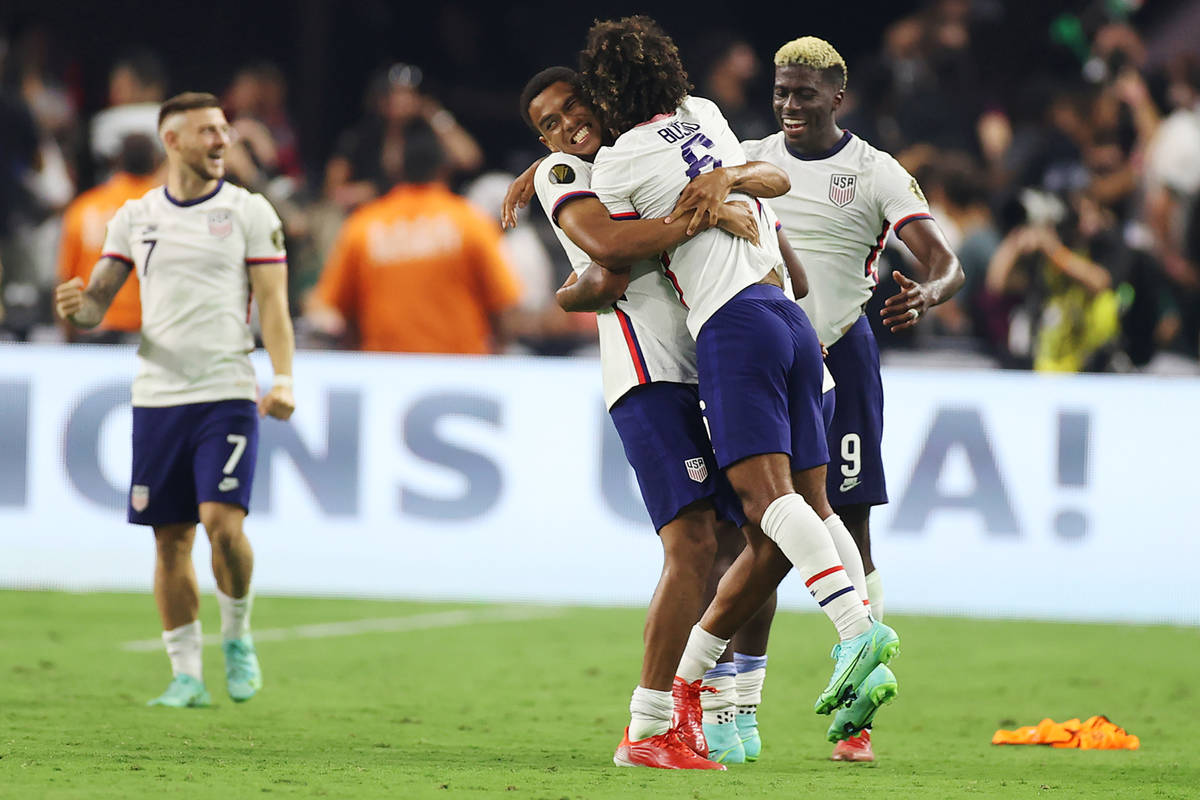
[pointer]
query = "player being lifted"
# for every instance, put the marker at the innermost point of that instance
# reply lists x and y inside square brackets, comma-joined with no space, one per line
[649,374]
[844,199]
[200,247]
[758,357]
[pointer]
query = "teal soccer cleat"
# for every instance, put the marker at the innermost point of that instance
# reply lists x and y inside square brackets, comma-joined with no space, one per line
[183,692]
[879,687]
[856,658]
[243,676]
[724,743]
[747,725]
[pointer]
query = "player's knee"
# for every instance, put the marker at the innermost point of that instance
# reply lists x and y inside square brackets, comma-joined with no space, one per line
[689,544]
[174,544]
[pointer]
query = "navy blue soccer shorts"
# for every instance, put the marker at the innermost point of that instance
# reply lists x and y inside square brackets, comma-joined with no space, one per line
[190,454]
[667,445]
[856,435]
[760,380]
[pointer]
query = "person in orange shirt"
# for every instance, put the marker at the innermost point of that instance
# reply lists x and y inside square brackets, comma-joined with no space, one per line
[84,225]
[419,270]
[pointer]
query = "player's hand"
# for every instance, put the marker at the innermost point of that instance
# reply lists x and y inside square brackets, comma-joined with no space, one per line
[520,192]
[703,197]
[824,350]
[68,298]
[898,311]
[277,403]
[739,219]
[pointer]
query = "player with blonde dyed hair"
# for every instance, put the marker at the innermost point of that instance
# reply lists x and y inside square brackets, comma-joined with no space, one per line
[845,199]
[814,53]
[199,246]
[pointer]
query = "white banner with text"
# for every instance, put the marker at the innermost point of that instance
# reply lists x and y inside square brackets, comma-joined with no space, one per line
[502,479]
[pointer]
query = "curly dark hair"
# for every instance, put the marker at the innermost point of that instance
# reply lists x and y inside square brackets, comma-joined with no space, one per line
[630,71]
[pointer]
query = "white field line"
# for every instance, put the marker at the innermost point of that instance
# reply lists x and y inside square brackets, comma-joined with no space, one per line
[414,622]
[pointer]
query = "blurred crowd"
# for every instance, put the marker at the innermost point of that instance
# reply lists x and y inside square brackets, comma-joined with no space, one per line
[1064,169]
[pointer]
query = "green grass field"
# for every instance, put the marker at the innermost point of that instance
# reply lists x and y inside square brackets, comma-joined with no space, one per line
[447,701]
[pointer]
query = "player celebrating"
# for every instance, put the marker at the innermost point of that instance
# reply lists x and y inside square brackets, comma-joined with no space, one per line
[845,197]
[649,372]
[758,358]
[200,247]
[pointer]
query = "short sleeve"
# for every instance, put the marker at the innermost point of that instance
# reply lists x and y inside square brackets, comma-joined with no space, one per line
[117,237]
[559,180]
[898,195]
[264,233]
[754,148]
[610,182]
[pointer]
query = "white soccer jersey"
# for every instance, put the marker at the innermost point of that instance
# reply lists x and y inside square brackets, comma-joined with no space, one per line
[191,260]
[837,216]
[643,173]
[645,338]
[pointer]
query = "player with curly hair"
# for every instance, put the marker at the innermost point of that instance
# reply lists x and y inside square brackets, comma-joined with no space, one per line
[758,356]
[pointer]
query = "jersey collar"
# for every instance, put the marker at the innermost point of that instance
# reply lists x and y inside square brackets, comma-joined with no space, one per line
[833,151]
[197,201]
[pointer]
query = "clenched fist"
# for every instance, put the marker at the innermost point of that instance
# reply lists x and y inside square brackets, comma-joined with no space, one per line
[68,298]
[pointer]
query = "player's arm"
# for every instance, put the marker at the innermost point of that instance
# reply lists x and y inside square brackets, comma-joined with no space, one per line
[795,268]
[85,307]
[618,243]
[924,239]
[705,193]
[594,290]
[519,193]
[269,284]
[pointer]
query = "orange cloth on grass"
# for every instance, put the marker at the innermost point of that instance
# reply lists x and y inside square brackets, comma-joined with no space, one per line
[1097,733]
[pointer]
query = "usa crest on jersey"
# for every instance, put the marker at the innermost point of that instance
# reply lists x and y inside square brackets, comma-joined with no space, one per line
[139,497]
[697,470]
[220,222]
[841,189]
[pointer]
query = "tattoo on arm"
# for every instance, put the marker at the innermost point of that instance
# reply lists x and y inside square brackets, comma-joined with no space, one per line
[108,276]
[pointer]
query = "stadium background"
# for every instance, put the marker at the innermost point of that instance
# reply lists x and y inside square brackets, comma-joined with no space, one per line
[1045,479]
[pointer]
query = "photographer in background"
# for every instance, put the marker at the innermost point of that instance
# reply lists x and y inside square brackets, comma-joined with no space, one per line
[1066,260]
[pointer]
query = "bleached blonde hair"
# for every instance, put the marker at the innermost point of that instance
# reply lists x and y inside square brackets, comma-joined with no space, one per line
[809,51]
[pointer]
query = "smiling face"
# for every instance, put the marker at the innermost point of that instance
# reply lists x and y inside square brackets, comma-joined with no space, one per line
[198,138]
[805,100]
[566,123]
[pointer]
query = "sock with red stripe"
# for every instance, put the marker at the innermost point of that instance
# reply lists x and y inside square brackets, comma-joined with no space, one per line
[847,551]
[795,527]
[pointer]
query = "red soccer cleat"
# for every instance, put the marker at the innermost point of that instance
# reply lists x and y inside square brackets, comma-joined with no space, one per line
[688,717]
[856,748]
[665,751]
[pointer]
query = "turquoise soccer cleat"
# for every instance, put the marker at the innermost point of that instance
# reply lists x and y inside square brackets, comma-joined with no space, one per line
[184,691]
[724,743]
[243,676]
[856,658]
[879,687]
[747,725]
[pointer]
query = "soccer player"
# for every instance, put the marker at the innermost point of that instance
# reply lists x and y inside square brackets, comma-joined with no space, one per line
[844,199]
[758,358]
[200,247]
[649,374]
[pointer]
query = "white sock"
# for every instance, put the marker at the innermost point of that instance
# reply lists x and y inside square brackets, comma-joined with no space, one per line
[749,689]
[184,647]
[649,713]
[848,552]
[719,707]
[795,527]
[235,614]
[701,654]
[875,592]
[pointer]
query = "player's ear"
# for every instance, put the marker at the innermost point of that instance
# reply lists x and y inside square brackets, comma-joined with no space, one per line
[549,146]
[838,97]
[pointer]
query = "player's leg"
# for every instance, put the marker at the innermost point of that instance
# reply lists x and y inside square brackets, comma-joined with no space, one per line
[856,479]
[162,497]
[719,697]
[778,390]
[226,446]
[665,442]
